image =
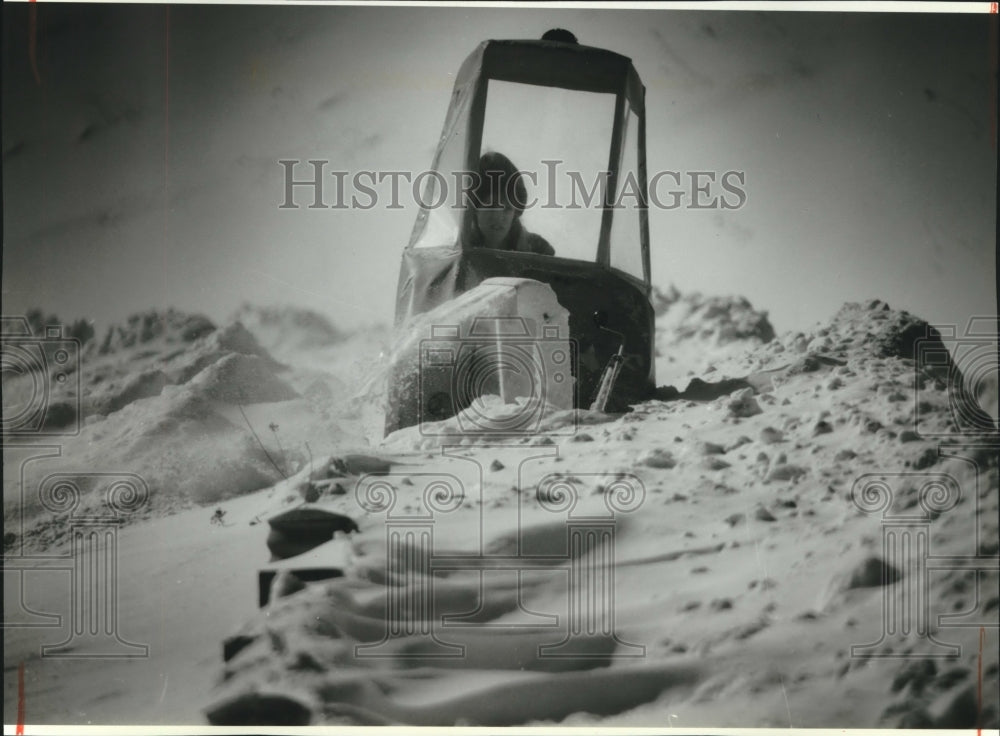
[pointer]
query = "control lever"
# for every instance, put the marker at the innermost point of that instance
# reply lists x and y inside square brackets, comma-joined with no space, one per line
[612,369]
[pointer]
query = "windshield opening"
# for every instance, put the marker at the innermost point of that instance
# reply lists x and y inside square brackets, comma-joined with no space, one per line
[559,140]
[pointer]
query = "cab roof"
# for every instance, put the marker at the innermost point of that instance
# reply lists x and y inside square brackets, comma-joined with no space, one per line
[555,64]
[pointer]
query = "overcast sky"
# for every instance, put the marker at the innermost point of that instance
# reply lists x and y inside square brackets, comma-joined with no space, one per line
[141,165]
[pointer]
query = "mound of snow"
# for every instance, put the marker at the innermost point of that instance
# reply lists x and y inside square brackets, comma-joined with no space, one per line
[491,421]
[716,320]
[243,379]
[179,444]
[761,504]
[120,393]
[741,528]
[172,326]
[342,372]
[698,334]
[232,339]
[80,329]
[286,327]
[236,338]
[151,351]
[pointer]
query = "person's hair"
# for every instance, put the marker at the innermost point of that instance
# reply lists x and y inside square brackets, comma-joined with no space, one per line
[497,183]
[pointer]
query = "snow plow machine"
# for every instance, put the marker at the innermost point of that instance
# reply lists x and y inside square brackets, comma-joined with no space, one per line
[571,327]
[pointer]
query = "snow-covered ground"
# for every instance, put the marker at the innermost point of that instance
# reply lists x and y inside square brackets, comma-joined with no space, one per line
[744,564]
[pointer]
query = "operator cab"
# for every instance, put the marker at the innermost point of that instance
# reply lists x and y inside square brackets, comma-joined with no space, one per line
[570,120]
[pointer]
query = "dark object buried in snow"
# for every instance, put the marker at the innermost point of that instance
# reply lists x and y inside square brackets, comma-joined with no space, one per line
[303,550]
[532,101]
[304,528]
[260,709]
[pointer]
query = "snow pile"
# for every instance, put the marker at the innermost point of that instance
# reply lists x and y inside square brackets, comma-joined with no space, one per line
[698,334]
[747,513]
[241,379]
[966,370]
[758,529]
[341,371]
[716,320]
[281,328]
[198,413]
[490,421]
[171,327]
